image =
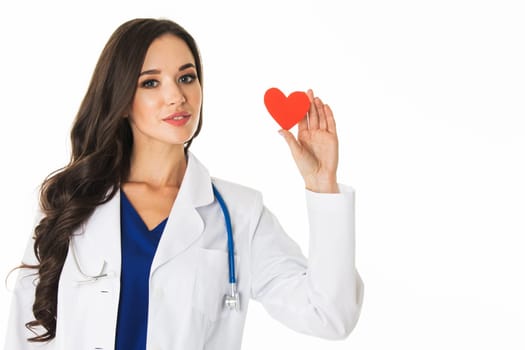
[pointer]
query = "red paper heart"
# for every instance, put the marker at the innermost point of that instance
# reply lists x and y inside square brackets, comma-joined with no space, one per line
[287,111]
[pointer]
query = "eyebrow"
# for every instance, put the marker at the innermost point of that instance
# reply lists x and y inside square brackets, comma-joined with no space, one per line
[157,71]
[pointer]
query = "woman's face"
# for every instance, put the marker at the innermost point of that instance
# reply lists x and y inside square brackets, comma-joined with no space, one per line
[167,102]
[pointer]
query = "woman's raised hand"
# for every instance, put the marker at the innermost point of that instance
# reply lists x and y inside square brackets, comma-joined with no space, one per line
[315,150]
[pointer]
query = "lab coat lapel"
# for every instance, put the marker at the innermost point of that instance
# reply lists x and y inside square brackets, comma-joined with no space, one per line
[185,225]
[97,243]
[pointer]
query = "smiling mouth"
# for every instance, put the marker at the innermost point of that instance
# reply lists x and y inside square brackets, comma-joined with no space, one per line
[178,116]
[178,119]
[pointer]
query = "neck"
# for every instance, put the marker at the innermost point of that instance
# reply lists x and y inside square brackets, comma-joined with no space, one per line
[158,166]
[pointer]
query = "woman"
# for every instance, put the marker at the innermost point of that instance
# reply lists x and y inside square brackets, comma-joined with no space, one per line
[131,252]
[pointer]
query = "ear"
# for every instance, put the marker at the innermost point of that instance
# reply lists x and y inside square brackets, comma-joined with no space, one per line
[127,113]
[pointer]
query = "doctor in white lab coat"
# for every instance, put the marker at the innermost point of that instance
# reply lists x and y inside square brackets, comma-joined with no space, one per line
[188,279]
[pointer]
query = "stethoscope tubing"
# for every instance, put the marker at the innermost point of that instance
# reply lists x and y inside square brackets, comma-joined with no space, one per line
[231,255]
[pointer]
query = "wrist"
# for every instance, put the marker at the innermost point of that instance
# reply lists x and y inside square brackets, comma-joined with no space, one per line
[320,185]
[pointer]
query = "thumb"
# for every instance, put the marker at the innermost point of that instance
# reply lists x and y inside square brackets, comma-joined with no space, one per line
[291,141]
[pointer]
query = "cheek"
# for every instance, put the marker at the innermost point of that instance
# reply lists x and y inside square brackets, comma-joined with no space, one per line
[196,98]
[144,103]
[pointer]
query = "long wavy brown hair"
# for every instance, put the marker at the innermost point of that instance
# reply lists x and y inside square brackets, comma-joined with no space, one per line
[101,142]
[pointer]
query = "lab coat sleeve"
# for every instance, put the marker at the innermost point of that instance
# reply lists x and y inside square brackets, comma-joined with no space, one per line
[321,295]
[22,298]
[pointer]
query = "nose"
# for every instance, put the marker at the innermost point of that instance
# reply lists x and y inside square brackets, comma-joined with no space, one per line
[174,95]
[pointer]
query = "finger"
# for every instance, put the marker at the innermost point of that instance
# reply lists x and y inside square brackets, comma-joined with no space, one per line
[313,118]
[321,113]
[310,95]
[303,123]
[330,120]
[295,147]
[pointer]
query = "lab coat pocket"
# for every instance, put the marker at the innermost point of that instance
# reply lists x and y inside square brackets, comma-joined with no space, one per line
[211,283]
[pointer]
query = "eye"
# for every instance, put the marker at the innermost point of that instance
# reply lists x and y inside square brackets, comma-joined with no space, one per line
[150,83]
[187,78]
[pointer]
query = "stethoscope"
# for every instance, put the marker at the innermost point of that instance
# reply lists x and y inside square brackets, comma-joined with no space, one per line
[232,298]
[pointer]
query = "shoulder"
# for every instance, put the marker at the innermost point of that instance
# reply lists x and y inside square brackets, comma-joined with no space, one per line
[237,193]
[238,198]
[244,204]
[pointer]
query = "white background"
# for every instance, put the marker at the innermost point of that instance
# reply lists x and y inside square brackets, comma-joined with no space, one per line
[429,102]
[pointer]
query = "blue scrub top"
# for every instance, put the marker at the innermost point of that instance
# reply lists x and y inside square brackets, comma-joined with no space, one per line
[138,246]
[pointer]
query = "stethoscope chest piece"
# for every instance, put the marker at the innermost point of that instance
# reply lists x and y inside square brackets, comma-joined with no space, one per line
[232,300]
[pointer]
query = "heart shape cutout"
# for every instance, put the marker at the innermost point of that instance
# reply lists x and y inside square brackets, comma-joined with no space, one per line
[287,111]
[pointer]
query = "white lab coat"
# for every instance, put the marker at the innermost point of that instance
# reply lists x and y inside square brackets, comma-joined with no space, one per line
[320,296]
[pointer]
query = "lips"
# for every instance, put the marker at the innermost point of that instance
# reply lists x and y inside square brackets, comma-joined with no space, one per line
[178,118]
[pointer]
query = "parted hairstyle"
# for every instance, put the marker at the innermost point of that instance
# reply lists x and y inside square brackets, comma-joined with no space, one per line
[101,142]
